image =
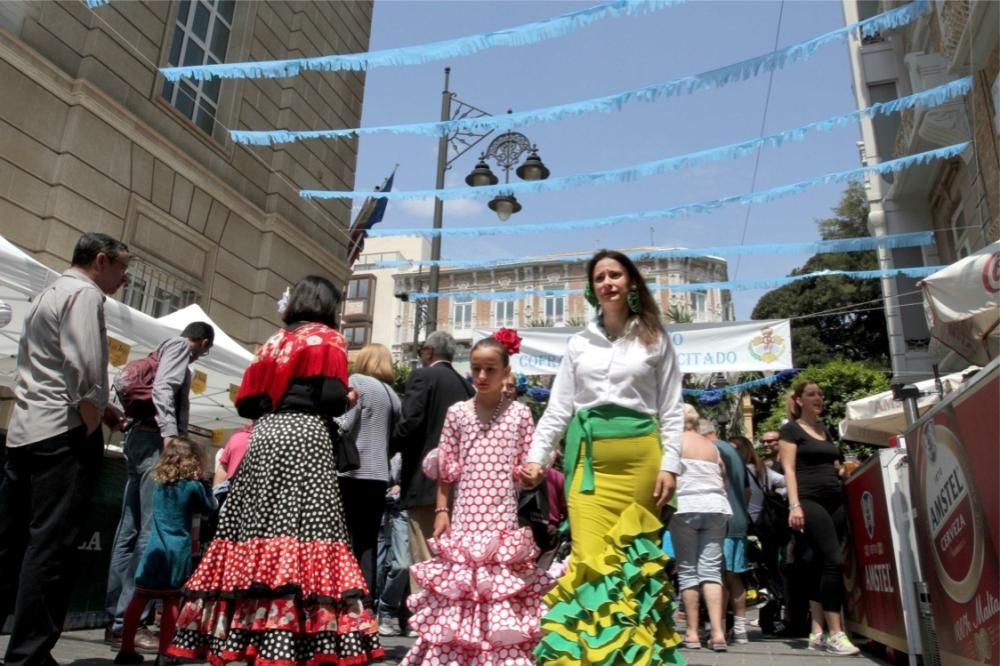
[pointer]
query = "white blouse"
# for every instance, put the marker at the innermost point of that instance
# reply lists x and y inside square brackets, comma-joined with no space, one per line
[596,371]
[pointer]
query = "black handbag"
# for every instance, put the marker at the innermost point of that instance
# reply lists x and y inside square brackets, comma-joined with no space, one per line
[772,523]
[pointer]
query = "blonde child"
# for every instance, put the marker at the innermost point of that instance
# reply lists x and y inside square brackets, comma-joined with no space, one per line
[166,562]
[482,591]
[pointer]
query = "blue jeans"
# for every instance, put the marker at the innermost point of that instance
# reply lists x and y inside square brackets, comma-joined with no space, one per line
[142,452]
[393,562]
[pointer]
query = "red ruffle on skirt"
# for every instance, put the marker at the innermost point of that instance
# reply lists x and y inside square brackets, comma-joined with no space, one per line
[482,600]
[325,569]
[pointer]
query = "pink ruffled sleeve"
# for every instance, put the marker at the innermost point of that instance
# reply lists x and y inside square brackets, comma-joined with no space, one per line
[449,460]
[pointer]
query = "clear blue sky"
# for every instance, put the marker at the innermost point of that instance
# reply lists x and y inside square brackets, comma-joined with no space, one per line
[609,57]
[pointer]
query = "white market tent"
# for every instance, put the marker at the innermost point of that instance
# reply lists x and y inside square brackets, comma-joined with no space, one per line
[873,420]
[962,304]
[21,277]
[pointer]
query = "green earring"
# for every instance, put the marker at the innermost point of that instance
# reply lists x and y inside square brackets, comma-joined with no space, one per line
[588,293]
[633,301]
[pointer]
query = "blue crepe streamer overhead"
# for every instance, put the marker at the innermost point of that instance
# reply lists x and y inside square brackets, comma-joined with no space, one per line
[734,285]
[934,97]
[713,396]
[714,78]
[892,166]
[530,33]
[892,242]
[94,4]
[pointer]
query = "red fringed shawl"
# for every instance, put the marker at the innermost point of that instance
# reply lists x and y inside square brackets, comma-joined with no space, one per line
[311,350]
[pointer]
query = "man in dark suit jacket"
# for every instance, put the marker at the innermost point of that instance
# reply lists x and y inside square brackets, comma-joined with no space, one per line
[430,391]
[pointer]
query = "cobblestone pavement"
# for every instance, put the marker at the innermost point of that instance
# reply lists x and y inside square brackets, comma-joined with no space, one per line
[87,648]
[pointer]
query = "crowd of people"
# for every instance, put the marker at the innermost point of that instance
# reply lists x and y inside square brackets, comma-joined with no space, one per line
[345,512]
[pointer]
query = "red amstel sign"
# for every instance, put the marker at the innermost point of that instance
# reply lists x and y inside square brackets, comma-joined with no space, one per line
[956,493]
[874,607]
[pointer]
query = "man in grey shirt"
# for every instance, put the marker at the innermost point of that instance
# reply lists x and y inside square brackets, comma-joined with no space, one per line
[55,444]
[143,443]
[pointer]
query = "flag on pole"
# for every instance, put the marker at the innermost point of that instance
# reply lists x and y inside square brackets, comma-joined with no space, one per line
[371,213]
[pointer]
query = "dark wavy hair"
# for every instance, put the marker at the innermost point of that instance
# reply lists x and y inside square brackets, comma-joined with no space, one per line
[314,299]
[650,328]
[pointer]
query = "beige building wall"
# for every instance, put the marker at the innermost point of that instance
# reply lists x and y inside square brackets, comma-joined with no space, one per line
[89,143]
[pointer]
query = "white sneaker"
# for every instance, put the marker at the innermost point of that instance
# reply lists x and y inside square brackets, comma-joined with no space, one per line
[739,637]
[840,644]
[388,626]
[817,641]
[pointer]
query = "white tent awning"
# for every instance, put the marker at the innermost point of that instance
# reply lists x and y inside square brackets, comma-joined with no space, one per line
[874,419]
[21,277]
[962,304]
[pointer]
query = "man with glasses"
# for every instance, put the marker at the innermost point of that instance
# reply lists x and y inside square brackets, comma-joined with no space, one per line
[165,418]
[770,442]
[55,444]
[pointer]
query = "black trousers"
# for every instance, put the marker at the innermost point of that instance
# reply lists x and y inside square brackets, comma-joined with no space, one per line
[364,501]
[826,532]
[45,494]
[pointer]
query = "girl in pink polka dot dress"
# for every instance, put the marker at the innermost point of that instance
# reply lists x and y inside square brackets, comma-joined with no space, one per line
[481,602]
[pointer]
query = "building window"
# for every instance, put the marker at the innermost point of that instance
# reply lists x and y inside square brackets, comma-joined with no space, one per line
[699,305]
[504,315]
[555,310]
[201,37]
[356,335]
[462,314]
[360,294]
[156,292]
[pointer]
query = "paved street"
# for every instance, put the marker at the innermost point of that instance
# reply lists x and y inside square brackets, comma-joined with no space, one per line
[85,648]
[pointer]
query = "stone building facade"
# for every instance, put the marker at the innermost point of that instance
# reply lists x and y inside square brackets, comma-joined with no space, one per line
[958,199]
[460,316]
[93,138]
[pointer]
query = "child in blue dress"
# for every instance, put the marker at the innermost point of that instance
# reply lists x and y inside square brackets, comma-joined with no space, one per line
[166,562]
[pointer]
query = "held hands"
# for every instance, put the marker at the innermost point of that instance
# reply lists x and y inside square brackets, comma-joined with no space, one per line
[531,475]
[442,523]
[352,398]
[666,483]
[797,519]
[113,418]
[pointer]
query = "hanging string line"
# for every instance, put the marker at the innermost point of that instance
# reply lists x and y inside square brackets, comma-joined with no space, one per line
[714,78]
[763,126]
[929,98]
[733,285]
[891,166]
[419,54]
[862,244]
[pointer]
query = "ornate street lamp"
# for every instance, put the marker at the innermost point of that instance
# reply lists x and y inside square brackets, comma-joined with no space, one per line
[506,150]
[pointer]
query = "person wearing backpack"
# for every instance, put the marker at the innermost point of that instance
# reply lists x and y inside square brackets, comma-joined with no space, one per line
[154,393]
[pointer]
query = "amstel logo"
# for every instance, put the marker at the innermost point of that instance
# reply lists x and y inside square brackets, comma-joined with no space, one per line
[767,347]
[956,525]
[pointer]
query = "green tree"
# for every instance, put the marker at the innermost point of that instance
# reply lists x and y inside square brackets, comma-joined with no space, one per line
[675,314]
[842,381]
[856,328]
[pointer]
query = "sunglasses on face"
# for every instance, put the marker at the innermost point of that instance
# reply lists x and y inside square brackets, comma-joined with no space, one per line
[769,441]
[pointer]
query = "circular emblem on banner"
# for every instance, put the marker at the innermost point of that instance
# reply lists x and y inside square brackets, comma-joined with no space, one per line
[991,273]
[956,525]
[767,347]
[868,513]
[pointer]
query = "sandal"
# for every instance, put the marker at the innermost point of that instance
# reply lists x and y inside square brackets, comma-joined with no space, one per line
[692,645]
[719,647]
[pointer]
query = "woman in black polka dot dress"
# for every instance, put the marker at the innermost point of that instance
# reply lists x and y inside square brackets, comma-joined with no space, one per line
[279,585]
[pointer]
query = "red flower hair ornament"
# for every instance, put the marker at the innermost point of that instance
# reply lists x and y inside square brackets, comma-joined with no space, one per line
[509,338]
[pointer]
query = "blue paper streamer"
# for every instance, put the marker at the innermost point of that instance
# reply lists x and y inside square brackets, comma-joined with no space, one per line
[892,166]
[94,4]
[733,285]
[892,242]
[711,394]
[713,78]
[530,33]
[934,97]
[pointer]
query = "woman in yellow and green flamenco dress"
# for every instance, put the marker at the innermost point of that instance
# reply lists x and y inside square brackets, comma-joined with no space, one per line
[617,397]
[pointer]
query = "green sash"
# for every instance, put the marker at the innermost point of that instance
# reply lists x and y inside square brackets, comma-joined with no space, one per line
[601,422]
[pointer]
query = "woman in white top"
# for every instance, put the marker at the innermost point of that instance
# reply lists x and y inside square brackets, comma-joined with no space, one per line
[698,530]
[617,397]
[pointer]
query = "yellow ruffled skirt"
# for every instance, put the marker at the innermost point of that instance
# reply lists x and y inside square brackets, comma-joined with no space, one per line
[614,604]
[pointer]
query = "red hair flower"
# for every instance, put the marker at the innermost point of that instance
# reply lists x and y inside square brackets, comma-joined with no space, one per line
[509,338]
